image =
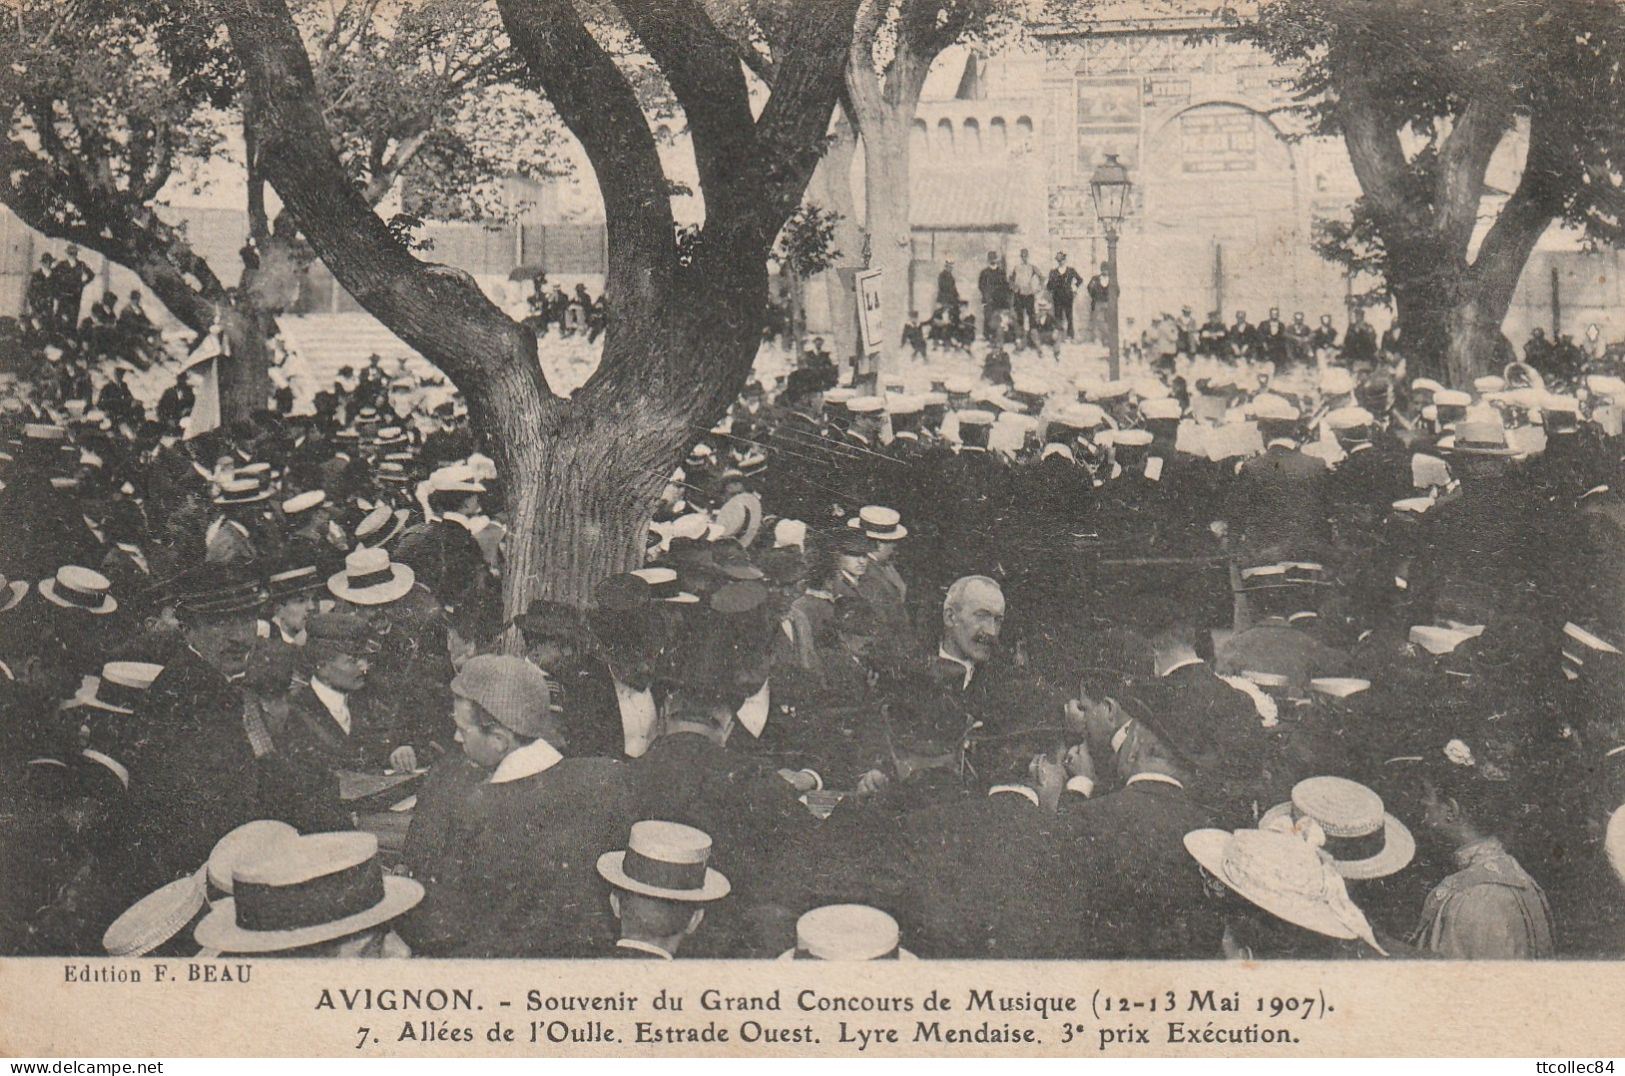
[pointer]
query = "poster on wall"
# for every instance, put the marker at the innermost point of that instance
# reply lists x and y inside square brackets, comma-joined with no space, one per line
[870,325]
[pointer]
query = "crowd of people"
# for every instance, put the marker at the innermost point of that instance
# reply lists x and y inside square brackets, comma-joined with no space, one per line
[1233,657]
[571,313]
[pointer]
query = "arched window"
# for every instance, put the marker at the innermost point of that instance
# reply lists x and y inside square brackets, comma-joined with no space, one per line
[973,137]
[945,136]
[917,136]
[997,141]
[1024,134]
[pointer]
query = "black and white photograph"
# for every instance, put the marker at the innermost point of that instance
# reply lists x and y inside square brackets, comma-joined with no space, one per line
[812,480]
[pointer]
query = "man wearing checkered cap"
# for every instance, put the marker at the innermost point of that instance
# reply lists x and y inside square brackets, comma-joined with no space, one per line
[504,834]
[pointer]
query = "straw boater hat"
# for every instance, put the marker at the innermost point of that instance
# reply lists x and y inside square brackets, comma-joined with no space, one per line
[248,490]
[304,502]
[663,586]
[1284,875]
[665,860]
[248,842]
[381,526]
[847,932]
[125,683]
[1363,840]
[371,578]
[12,591]
[879,523]
[305,891]
[88,697]
[155,918]
[74,587]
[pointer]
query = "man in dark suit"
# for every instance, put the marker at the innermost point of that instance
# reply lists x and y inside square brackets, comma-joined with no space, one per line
[690,775]
[1360,342]
[1187,689]
[331,717]
[41,296]
[1277,504]
[994,287]
[195,775]
[1212,339]
[1241,337]
[1064,281]
[1273,341]
[509,870]
[1147,900]
[1099,288]
[68,279]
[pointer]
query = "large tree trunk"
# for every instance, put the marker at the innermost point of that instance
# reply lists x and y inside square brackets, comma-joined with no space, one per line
[582,474]
[886,207]
[832,188]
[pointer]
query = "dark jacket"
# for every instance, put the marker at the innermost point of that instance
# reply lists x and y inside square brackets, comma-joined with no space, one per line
[1278,505]
[510,869]
[1147,899]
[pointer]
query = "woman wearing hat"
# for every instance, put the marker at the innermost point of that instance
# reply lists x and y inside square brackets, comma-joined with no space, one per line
[1293,903]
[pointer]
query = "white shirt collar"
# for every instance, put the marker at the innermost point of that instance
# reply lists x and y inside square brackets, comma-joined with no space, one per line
[753,712]
[970,666]
[1192,660]
[643,947]
[1162,777]
[528,761]
[1285,442]
[1020,790]
[639,717]
[337,703]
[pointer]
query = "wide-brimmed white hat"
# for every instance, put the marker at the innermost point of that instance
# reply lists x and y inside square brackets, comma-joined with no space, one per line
[371,578]
[847,932]
[1284,875]
[74,587]
[1363,840]
[155,918]
[305,891]
[666,860]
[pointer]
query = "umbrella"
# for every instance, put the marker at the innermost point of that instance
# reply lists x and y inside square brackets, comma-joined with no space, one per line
[529,271]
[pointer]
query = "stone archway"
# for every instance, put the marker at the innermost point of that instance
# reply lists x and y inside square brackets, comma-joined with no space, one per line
[1217,175]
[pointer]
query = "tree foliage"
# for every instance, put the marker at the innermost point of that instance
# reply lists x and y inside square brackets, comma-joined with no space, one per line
[807,246]
[1424,93]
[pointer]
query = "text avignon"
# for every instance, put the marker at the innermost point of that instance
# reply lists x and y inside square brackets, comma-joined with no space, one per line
[392,999]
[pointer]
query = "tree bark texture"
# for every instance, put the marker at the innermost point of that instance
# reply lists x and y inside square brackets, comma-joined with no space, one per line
[831,187]
[584,474]
[1450,309]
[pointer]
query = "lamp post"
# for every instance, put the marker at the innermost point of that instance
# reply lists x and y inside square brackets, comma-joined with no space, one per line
[1110,187]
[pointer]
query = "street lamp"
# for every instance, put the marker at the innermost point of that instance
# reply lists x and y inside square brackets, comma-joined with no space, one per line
[1110,187]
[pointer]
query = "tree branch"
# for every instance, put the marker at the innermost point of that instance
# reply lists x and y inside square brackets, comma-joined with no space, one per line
[598,105]
[1462,161]
[703,70]
[439,311]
